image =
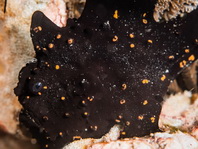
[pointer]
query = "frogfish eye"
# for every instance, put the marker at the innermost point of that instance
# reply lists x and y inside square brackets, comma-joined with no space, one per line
[37,87]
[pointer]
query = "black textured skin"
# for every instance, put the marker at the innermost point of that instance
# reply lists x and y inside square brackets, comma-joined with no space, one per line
[93,65]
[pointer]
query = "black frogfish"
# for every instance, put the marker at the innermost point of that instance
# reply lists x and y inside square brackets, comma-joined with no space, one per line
[111,66]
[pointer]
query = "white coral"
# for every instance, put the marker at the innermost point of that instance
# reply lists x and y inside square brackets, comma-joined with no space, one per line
[170,9]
